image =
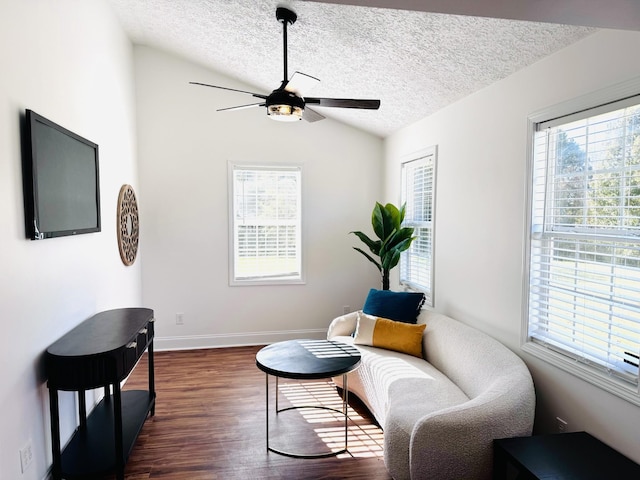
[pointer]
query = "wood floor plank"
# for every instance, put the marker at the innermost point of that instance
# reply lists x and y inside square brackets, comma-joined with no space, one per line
[210,424]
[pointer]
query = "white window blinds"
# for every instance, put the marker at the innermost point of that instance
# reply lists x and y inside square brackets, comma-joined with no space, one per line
[416,263]
[266,224]
[584,265]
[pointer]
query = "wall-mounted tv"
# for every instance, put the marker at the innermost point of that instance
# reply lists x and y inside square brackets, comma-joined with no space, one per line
[61,181]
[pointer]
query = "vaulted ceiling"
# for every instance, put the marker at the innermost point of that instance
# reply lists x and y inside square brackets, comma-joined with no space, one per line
[416,62]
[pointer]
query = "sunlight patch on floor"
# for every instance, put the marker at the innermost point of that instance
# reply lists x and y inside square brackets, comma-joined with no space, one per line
[365,438]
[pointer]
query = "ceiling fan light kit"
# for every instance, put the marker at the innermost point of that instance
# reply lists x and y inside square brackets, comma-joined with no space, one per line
[285,103]
[285,106]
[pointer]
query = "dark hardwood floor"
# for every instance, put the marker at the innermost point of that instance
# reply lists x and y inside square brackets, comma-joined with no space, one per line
[210,424]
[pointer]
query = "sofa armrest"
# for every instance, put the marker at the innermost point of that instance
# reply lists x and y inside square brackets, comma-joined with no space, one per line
[343,326]
[458,442]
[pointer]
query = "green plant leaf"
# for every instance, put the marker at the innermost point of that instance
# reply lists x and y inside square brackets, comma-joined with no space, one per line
[377,221]
[399,237]
[402,211]
[374,245]
[391,260]
[404,245]
[371,259]
[389,213]
[393,214]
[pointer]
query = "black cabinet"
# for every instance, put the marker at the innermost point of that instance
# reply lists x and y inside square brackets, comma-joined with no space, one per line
[100,353]
[566,456]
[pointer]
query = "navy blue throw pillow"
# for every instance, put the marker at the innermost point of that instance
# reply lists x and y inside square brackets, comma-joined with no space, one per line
[399,306]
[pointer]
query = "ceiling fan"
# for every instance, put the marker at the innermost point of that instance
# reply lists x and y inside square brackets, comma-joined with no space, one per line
[285,103]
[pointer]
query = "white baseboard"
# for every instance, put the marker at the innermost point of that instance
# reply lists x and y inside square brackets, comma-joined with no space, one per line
[192,342]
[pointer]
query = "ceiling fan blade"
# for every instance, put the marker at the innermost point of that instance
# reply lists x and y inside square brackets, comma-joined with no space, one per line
[241,107]
[257,95]
[301,83]
[344,103]
[311,115]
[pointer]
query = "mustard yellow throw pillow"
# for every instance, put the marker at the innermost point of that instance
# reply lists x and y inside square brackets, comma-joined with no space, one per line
[389,334]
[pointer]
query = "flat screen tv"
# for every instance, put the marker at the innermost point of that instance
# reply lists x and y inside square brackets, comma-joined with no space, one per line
[61,181]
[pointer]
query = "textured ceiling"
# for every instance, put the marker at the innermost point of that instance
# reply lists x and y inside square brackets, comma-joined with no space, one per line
[415,62]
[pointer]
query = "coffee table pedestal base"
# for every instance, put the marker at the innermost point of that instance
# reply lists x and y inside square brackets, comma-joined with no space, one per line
[345,398]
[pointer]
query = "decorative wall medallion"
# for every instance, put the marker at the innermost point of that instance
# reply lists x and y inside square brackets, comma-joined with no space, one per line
[128,225]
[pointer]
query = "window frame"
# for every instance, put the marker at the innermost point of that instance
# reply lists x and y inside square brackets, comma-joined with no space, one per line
[264,280]
[429,154]
[587,106]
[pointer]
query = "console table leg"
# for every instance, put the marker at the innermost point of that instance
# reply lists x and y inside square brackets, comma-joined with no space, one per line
[152,381]
[56,469]
[119,444]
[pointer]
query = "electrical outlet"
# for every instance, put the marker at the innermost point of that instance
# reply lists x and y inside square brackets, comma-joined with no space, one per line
[179,318]
[26,456]
[346,309]
[561,425]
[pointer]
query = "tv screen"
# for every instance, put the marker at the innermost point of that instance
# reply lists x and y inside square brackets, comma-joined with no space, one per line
[61,180]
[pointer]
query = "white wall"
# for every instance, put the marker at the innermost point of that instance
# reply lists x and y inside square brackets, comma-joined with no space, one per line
[480,216]
[69,61]
[184,148]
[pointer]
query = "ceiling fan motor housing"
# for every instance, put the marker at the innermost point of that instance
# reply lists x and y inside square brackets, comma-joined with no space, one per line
[282,103]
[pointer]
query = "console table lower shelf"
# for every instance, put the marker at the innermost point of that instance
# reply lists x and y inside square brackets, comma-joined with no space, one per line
[90,450]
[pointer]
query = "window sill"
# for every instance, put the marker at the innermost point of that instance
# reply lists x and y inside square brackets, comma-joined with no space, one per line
[254,283]
[585,372]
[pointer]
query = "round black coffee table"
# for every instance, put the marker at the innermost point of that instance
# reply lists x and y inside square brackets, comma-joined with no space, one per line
[308,360]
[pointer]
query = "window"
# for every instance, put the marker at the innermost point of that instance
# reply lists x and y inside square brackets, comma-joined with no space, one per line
[416,263]
[584,245]
[265,224]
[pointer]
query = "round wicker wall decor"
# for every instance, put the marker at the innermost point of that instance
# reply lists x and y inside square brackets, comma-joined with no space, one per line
[128,225]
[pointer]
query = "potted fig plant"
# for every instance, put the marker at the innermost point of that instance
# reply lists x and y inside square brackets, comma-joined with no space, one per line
[393,239]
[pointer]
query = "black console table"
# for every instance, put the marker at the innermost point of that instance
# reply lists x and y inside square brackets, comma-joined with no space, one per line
[100,353]
[561,456]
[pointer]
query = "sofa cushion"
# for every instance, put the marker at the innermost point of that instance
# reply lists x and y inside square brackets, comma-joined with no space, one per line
[389,334]
[386,377]
[399,306]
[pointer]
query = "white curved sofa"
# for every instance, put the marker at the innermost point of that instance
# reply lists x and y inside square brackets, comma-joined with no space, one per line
[440,416]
